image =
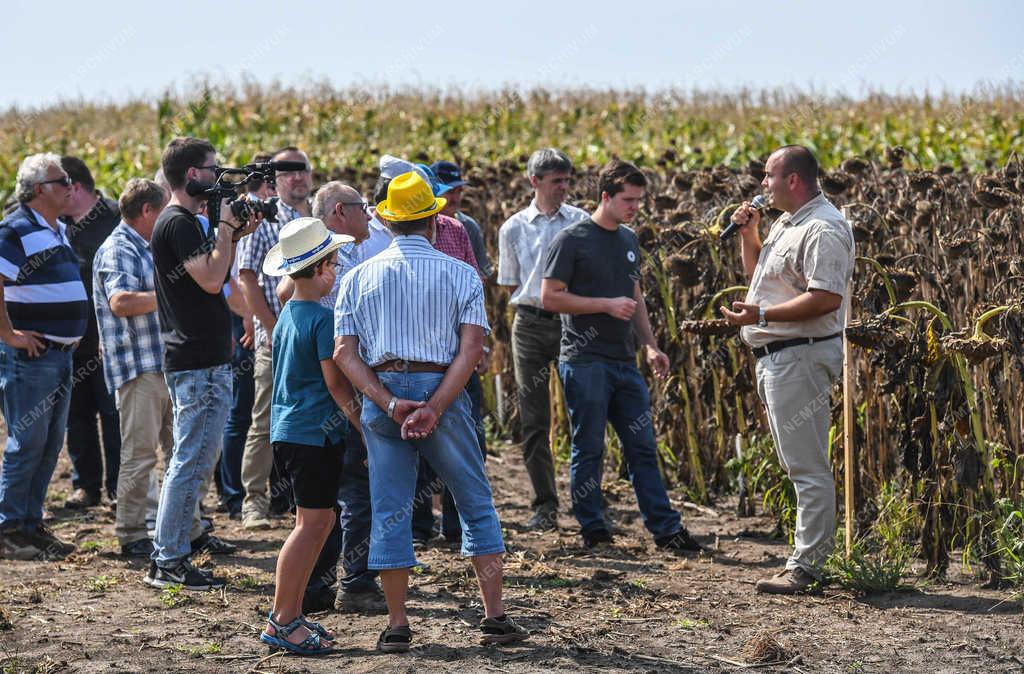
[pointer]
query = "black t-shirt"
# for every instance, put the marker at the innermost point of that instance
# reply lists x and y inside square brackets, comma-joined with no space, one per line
[85,237]
[594,262]
[195,325]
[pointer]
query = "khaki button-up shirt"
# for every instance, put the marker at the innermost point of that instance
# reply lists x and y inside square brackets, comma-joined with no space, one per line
[811,249]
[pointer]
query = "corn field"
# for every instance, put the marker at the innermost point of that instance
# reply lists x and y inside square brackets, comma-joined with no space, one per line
[933,188]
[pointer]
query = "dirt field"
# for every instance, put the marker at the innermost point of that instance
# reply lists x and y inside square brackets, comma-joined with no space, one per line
[628,608]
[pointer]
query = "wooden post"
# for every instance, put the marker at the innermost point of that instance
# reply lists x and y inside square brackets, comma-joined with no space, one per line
[849,467]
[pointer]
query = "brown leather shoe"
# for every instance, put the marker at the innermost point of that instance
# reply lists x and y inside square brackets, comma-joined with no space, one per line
[790,581]
[80,498]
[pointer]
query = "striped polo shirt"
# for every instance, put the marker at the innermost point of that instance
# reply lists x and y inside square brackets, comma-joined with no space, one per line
[408,303]
[43,288]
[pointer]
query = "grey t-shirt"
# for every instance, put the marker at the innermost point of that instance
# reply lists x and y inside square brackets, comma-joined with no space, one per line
[595,262]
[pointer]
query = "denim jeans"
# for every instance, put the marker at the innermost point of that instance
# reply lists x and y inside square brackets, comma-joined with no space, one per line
[34,394]
[598,392]
[89,399]
[423,514]
[349,540]
[451,450]
[242,396]
[197,397]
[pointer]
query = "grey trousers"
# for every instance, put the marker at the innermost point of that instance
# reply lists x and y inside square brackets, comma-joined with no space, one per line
[535,355]
[795,385]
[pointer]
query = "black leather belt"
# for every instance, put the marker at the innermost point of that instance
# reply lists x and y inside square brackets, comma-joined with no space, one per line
[50,344]
[534,311]
[772,347]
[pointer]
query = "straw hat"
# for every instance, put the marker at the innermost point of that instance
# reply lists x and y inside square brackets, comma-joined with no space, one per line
[302,242]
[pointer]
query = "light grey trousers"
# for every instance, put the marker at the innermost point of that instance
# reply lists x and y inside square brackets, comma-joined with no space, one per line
[795,385]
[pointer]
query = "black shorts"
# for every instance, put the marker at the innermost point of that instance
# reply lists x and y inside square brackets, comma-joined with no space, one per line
[314,472]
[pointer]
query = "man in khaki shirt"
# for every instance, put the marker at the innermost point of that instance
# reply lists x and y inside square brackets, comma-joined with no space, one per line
[793,317]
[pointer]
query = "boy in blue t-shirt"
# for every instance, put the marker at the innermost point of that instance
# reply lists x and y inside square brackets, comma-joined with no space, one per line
[309,405]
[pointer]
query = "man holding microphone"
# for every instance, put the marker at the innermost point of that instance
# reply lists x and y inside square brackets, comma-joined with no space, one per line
[793,317]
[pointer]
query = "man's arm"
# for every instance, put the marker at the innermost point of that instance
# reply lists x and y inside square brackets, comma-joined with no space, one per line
[342,392]
[803,307]
[29,340]
[236,301]
[555,296]
[749,219]
[642,324]
[285,290]
[125,304]
[253,295]
[364,379]
[422,422]
[209,270]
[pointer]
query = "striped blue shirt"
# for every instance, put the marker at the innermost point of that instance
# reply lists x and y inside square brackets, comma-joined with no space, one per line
[348,255]
[409,303]
[131,345]
[44,290]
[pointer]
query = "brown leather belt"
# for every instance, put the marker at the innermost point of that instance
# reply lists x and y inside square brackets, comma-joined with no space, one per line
[409,366]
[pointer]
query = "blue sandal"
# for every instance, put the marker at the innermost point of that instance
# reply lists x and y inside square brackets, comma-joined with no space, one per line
[311,645]
[310,625]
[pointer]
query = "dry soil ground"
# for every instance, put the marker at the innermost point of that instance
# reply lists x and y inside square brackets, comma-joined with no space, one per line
[627,608]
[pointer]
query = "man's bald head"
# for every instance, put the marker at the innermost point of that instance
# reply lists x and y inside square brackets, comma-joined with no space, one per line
[799,160]
[330,195]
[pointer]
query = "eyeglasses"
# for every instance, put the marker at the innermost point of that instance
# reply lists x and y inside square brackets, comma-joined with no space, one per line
[362,204]
[292,174]
[211,167]
[65,181]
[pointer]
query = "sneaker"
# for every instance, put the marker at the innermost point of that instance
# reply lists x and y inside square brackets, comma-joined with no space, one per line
[151,528]
[420,543]
[15,544]
[368,603]
[681,541]
[81,498]
[790,581]
[501,630]
[255,522]
[215,546]
[186,575]
[44,539]
[543,520]
[140,548]
[597,537]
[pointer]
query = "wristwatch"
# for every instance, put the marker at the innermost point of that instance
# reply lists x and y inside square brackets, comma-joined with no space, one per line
[391,407]
[762,322]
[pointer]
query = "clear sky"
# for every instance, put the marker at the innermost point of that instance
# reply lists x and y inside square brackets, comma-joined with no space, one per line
[117,50]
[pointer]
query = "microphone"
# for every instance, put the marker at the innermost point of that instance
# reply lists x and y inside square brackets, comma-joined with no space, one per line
[758,203]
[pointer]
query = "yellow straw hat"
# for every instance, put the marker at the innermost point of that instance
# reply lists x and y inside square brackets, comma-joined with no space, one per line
[409,198]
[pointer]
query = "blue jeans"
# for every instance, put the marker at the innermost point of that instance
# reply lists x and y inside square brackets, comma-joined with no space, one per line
[197,397]
[452,452]
[596,393]
[243,393]
[34,394]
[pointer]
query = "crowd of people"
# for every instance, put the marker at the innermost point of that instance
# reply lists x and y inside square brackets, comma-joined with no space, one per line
[327,362]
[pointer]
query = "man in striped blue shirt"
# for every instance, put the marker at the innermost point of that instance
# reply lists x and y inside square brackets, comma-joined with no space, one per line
[409,329]
[43,315]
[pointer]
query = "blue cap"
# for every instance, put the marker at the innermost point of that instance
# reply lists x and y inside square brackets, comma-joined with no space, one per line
[448,173]
[436,185]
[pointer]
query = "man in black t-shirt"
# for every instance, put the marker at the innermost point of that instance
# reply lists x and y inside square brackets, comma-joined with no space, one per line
[592,278]
[192,267]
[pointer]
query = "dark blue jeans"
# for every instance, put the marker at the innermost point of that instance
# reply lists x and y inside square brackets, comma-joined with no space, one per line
[349,540]
[239,418]
[423,514]
[601,392]
[93,466]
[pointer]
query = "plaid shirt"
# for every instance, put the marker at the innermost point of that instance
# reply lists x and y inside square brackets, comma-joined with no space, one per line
[131,346]
[452,240]
[253,249]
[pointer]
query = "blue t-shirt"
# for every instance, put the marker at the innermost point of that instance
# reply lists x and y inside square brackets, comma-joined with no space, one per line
[302,410]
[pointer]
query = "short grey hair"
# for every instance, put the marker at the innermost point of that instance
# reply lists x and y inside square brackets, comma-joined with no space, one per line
[32,172]
[548,160]
[161,180]
[328,196]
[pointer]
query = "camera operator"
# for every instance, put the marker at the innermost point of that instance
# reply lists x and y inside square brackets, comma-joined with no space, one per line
[191,269]
[793,317]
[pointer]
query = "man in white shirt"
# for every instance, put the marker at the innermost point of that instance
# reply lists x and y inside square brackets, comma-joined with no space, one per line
[522,249]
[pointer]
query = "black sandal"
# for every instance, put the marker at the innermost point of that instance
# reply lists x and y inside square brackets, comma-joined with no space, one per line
[395,639]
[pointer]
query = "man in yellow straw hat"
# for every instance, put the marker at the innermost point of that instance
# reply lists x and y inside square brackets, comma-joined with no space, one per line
[409,329]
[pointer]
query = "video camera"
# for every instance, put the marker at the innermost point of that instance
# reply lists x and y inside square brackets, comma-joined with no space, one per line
[228,184]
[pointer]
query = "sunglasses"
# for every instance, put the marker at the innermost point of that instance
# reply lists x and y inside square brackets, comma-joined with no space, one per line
[362,204]
[65,181]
